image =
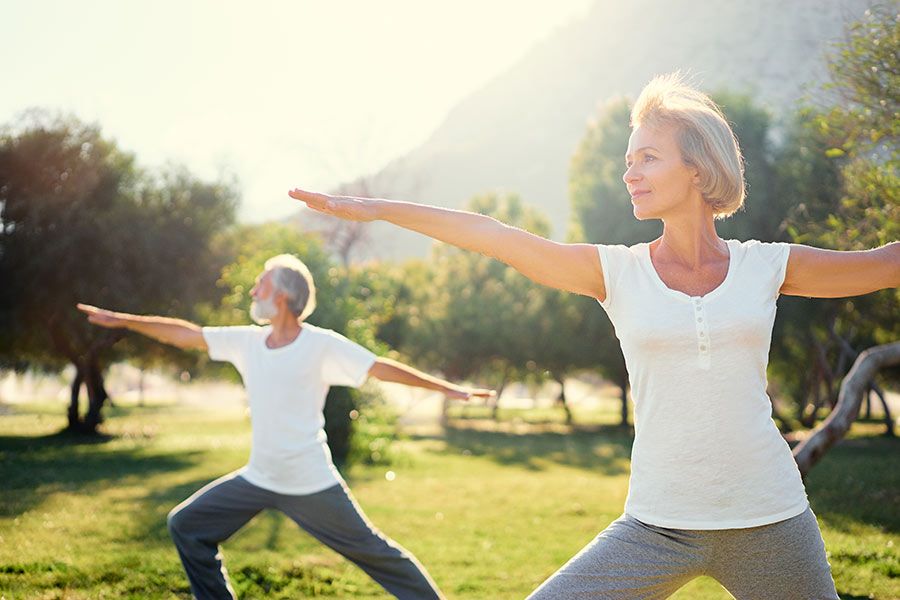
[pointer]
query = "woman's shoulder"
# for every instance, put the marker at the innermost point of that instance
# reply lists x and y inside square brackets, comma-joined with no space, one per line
[635,249]
[774,254]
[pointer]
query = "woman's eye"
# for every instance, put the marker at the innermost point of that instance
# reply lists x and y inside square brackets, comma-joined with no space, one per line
[649,158]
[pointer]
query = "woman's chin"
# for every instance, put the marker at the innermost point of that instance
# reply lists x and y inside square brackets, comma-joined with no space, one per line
[642,214]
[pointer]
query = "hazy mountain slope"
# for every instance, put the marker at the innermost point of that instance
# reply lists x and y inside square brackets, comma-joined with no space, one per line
[519,131]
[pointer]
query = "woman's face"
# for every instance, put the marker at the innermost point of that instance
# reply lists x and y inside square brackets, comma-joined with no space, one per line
[656,177]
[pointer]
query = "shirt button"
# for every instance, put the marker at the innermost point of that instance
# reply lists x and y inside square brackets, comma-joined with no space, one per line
[703,348]
[699,319]
[702,334]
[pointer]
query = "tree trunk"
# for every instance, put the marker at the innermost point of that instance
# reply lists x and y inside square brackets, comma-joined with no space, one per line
[561,399]
[888,419]
[87,372]
[141,388]
[785,423]
[808,417]
[495,407]
[74,418]
[623,386]
[848,352]
[868,414]
[855,384]
[96,397]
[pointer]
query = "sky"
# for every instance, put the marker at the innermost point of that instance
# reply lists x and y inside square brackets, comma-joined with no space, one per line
[280,94]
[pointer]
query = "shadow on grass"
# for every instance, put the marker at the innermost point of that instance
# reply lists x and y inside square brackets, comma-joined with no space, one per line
[601,449]
[32,466]
[858,482]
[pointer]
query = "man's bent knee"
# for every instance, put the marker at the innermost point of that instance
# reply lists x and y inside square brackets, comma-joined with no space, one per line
[176,520]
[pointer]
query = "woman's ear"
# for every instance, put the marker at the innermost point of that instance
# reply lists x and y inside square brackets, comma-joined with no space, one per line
[695,176]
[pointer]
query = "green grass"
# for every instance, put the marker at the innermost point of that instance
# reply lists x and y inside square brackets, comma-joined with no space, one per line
[490,510]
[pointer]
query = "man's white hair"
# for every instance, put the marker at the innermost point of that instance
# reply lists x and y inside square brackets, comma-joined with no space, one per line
[292,278]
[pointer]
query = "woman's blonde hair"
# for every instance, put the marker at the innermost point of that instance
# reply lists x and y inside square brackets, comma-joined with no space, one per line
[704,137]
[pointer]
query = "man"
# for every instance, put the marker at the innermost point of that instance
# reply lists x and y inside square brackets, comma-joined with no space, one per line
[287,367]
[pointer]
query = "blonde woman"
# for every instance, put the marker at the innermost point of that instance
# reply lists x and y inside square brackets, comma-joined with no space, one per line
[714,489]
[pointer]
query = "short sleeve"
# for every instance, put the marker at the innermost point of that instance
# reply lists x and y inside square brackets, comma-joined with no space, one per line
[345,362]
[229,344]
[613,260]
[775,256]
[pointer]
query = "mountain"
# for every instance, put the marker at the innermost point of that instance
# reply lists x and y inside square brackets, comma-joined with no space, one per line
[520,130]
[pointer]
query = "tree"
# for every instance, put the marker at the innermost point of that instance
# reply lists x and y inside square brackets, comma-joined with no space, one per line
[481,313]
[853,389]
[859,135]
[80,222]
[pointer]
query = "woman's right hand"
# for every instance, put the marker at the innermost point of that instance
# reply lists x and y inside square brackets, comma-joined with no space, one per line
[102,317]
[571,267]
[344,207]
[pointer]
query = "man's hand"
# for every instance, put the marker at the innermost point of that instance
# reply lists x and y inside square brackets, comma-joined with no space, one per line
[469,393]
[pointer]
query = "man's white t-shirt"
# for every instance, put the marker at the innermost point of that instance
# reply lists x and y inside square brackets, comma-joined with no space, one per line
[286,389]
[706,452]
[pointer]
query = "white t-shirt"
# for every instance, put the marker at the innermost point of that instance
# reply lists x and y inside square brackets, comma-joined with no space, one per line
[286,389]
[706,452]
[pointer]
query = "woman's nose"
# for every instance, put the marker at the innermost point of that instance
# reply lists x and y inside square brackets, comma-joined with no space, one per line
[630,175]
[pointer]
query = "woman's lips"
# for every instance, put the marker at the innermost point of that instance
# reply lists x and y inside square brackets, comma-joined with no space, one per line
[638,194]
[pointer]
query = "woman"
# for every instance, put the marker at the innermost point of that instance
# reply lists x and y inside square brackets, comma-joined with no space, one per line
[714,489]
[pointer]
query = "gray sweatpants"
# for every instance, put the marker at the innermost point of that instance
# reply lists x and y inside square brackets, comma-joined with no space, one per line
[215,512]
[630,560]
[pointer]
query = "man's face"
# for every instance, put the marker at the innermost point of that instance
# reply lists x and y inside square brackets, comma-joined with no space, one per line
[263,307]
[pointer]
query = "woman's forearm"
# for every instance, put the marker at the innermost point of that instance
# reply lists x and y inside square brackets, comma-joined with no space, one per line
[571,267]
[467,230]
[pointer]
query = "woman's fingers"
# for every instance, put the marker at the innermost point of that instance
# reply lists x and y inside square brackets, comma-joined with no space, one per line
[87,308]
[98,316]
[354,209]
[311,199]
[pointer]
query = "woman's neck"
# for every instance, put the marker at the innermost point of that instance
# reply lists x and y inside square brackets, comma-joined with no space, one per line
[689,240]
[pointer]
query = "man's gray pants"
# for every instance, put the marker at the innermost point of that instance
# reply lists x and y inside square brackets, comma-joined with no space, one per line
[214,513]
[631,560]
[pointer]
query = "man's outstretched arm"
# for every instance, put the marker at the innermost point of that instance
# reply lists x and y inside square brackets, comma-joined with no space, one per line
[386,369]
[175,332]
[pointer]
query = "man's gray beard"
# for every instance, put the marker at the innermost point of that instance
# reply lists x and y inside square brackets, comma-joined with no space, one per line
[261,311]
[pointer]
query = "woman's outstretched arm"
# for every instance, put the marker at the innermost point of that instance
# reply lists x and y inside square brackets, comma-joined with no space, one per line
[571,267]
[818,273]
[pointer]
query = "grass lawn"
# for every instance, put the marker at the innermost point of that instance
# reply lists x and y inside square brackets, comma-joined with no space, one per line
[490,510]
